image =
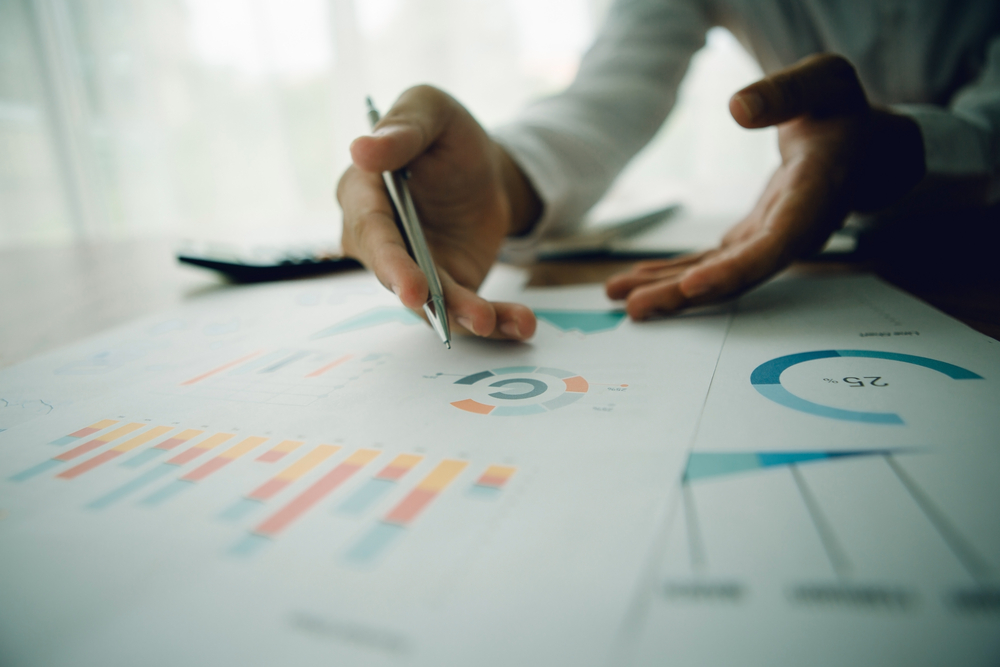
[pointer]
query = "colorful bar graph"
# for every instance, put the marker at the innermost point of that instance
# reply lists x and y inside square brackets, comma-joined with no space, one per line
[496,476]
[271,487]
[315,493]
[161,448]
[333,364]
[90,445]
[221,368]
[199,449]
[417,500]
[380,484]
[223,459]
[114,452]
[84,432]
[279,451]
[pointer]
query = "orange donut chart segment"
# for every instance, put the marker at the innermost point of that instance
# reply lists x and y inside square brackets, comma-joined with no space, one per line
[470,405]
[577,384]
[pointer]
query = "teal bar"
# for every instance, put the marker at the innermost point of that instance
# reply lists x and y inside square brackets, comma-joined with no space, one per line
[143,457]
[715,464]
[240,509]
[35,471]
[366,496]
[370,547]
[126,489]
[166,493]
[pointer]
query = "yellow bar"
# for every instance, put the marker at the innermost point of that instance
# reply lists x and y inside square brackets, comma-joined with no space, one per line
[405,461]
[504,472]
[129,445]
[287,446]
[119,432]
[188,434]
[213,441]
[104,423]
[362,457]
[442,475]
[242,448]
[307,463]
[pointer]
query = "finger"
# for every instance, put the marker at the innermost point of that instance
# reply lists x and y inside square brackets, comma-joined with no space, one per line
[514,321]
[823,84]
[414,122]
[619,285]
[371,236]
[663,296]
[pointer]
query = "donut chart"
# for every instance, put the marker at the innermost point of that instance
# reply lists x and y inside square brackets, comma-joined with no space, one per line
[513,386]
[766,379]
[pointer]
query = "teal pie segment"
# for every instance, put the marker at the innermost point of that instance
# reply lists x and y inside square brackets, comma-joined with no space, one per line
[766,379]
[583,321]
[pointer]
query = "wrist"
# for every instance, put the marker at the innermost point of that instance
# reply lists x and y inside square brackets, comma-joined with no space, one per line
[525,205]
[892,163]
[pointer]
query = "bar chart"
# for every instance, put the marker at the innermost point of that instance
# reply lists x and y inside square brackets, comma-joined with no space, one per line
[388,494]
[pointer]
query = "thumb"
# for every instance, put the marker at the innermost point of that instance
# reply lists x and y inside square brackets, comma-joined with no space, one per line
[417,119]
[820,85]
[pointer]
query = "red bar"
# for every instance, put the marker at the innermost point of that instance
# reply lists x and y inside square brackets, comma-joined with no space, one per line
[89,464]
[84,432]
[80,450]
[268,489]
[205,469]
[220,369]
[189,455]
[394,473]
[305,500]
[408,509]
[169,444]
[332,364]
[491,480]
[271,456]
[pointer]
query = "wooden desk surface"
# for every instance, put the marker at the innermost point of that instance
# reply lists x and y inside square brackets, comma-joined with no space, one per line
[56,296]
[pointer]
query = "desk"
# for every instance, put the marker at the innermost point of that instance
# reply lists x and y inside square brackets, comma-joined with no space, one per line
[55,296]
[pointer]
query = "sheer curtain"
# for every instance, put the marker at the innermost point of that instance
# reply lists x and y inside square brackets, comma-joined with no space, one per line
[219,118]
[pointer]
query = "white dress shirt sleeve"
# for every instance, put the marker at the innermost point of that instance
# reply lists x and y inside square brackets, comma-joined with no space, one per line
[963,139]
[572,146]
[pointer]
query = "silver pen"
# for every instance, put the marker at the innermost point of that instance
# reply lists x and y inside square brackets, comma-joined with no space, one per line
[406,213]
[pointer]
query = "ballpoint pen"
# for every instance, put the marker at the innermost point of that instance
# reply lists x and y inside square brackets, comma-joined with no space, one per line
[406,215]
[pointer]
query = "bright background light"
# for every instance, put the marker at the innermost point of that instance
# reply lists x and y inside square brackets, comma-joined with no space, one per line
[224,118]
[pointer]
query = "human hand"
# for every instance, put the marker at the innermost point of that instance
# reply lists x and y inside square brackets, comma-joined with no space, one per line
[838,154]
[469,194]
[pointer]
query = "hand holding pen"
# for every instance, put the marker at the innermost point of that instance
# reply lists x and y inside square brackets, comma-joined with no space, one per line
[467,194]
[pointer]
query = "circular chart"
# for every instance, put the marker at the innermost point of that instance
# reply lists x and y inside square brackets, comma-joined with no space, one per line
[520,390]
[766,379]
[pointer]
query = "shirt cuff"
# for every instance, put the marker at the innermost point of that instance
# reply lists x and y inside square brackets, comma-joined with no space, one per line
[954,145]
[551,183]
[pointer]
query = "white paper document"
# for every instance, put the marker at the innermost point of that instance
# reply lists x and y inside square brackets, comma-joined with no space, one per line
[302,474]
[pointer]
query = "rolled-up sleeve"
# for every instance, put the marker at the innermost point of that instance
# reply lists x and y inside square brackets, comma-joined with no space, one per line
[572,146]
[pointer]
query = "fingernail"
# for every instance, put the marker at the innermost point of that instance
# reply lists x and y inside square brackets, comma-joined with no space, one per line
[466,323]
[510,329]
[752,103]
[384,131]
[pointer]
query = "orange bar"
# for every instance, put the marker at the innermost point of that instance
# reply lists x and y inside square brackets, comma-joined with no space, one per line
[126,446]
[220,368]
[279,451]
[399,466]
[428,489]
[496,476]
[97,442]
[178,439]
[332,364]
[199,449]
[315,493]
[223,459]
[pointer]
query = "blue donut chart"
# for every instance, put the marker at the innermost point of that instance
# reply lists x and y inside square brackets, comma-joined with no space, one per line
[766,379]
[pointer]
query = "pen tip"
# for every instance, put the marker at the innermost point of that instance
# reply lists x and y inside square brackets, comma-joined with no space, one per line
[448,344]
[368,102]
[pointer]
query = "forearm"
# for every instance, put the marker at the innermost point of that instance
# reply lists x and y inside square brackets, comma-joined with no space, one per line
[525,205]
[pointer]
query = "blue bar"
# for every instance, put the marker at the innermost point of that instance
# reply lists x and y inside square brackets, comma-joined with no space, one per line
[65,440]
[143,457]
[240,509]
[249,545]
[35,471]
[371,546]
[166,493]
[143,480]
[480,491]
[366,496]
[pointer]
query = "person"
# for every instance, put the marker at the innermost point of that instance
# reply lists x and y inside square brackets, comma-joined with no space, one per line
[878,103]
